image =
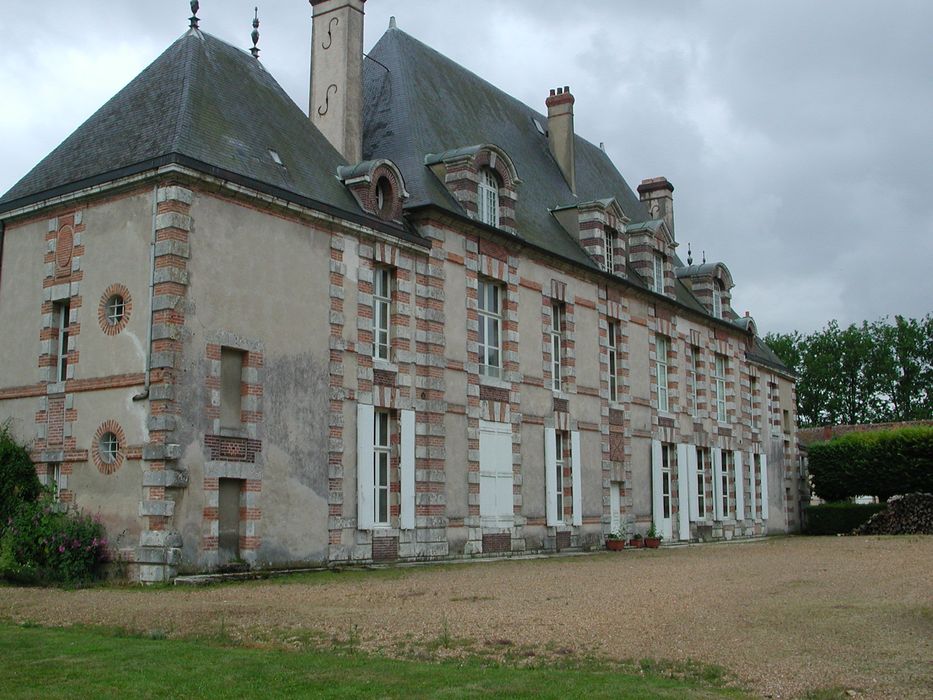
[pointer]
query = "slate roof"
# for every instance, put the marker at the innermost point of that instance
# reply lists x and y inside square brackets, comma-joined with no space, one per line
[203,103]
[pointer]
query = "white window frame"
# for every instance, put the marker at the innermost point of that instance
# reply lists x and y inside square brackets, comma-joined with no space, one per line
[382,313]
[64,321]
[721,368]
[612,356]
[54,478]
[115,309]
[728,467]
[693,372]
[108,447]
[661,349]
[489,307]
[488,197]
[657,283]
[717,303]
[754,410]
[610,252]
[559,464]
[703,459]
[382,458]
[557,345]
[666,480]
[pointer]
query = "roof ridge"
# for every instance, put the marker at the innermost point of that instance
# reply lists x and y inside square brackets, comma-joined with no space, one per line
[185,100]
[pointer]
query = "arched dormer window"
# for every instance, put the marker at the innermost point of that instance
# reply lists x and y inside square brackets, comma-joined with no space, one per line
[717,299]
[488,197]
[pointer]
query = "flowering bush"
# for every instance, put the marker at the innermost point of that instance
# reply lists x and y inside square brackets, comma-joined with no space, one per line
[41,543]
[18,480]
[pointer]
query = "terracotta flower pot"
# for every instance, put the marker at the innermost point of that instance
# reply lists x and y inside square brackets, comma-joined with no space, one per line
[636,544]
[615,545]
[652,542]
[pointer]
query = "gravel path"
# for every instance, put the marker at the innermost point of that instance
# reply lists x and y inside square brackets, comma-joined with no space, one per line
[785,615]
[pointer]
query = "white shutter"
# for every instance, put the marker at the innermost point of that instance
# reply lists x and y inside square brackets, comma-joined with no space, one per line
[365,425]
[407,470]
[495,473]
[764,487]
[739,488]
[657,497]
[717,483]
[550,475]
[752,501]
[683,490]
[505,497]
[692,474]
[576,467]
[615,507]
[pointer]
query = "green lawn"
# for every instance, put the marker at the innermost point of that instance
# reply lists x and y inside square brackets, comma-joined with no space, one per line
[82,662]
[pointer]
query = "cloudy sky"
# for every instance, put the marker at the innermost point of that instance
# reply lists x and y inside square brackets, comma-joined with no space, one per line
[798,134]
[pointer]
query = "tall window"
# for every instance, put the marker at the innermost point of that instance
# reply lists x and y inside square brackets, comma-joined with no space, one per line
[559,467]
[613,357]
[717,303]
[55,479]
[382,453]
[728,468]
[662,346]
[657,283]
[703,466]
[382,311]
[489,197]
[490,328]
[720,386]
[557,344]
[753,403]
[611,240]
[693,372]
[63,312]
[667,460]
[231,388]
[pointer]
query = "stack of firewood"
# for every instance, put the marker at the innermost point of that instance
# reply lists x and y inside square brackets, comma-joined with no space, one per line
[910,514]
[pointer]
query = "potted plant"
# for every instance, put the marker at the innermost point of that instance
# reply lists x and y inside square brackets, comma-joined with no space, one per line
[615,541]
[653,538]
[636,542]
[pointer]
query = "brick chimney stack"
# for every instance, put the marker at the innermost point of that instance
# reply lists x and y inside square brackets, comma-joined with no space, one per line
[336,102]
[560,133]
[658,195]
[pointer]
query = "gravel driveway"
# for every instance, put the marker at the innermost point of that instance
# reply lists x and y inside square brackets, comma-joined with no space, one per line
[785,616]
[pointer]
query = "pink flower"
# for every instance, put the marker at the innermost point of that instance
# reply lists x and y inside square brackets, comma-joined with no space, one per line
[61,548]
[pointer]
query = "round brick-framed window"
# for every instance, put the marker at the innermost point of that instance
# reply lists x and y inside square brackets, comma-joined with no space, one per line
[385,193]
[113,312]
[108,450]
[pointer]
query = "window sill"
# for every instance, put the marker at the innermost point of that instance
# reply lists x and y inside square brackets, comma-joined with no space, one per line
[379,363]
[233,432]
[494,382]
[666,414]
[56,388]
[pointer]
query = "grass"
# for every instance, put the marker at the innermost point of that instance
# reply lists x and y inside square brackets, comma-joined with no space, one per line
[85,662]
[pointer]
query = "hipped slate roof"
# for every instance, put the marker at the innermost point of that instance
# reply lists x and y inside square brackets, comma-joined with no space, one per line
[204,101]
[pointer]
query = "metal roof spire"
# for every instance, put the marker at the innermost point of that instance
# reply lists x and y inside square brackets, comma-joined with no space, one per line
[704,257]
[689,255]
[255,35]
[195,6]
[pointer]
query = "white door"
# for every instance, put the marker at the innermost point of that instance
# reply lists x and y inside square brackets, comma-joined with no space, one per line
[615,506]
[667,528]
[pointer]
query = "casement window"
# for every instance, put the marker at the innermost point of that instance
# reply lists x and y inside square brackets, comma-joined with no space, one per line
[728,469]
[62,319]
[610,252]
[561,456]
[54,479]
[657,282]
[662,347]
[703,468]
[489,197]
[231,393]
[557,345]
[693,373]
[720,387]
[115,309]
[384,437]
[612,354]
[382,312]
[496,500]
[717,303]
[753,403]
[489,304]
[667,460]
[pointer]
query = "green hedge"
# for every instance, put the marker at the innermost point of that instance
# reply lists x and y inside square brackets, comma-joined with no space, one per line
[880,463]
[839,518]
[18,480]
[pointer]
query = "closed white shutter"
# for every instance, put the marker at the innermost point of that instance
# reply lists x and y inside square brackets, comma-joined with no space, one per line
[717,483]
[576,467]
[365,417]
[693,474]
[407,470]
[657,497]
[615,507]
[739,488]
[752,498]
[495,474]
[764,487]
[550,475]
[683,490]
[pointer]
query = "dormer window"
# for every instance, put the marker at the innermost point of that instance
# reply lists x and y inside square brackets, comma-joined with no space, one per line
[489,197]
[611,250]
[385,198]
[657,283]
[717,303]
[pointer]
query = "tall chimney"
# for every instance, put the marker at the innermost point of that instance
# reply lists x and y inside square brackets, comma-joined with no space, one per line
[336,102]
[560,133]
[658,195]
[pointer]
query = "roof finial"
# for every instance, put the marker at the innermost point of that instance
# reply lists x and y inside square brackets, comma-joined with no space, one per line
[689,255]
[255,35]
[704,257]
[195,6]
[392,23]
